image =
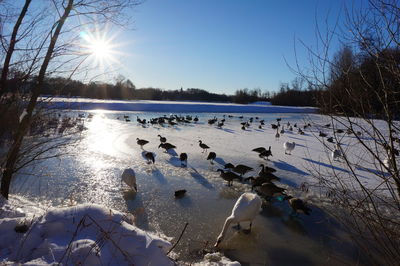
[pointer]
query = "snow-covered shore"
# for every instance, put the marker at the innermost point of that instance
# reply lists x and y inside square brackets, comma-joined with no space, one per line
[170,106]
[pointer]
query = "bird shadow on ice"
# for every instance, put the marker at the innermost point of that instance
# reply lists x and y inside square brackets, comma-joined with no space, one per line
[227,130]
[288,167]
[220,161]
[159,176]
[372,171]
[184,202]
[175,161]
[326,165]
[259,130]
[172,152]
[134,203]
[201,179]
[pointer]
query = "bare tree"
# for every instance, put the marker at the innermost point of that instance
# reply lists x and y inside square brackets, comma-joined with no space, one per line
[56,50]
[361,96]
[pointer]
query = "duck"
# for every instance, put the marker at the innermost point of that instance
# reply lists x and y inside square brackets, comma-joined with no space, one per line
[242,169]
[203,146]
[129,177]
[289,146]
[211,156]
[150,157]
[229,176]
[266,153]
[180,193]
[183,157]
[162,139]
[245,209]
[141,142]
[166,146]
[298,205]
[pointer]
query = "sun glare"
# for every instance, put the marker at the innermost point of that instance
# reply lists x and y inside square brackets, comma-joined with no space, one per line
[100,47]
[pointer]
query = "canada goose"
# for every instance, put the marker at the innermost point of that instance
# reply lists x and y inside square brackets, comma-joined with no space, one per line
[242,169]
[277,135]
[229,176]
[260,127]
[258,181]
[259,149]
[129,177]
[246,208]
[295,125]
[269,189]
[289,146]
[150,157]
[322,134]
[229,166]
[274,126]
[266,153]
[183,157]
[266,169]
[220,124]
[301,132]
[180,193]
[330,139]
[162,139]
[328,125]
[291,128]
[196,119]
[166,146]
[141,142]
[298,205]
[243,128]
[278,119]
[203,146]
[337,153]
[211,156]
[283,130]
[212,121]
[339,131]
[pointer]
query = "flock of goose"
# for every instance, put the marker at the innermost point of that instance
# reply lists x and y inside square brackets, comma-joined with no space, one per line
[248,205]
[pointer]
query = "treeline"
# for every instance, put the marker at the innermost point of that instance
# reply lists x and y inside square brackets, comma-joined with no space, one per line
[296,95]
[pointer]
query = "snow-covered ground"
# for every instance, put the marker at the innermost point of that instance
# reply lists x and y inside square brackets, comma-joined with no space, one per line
[92,175]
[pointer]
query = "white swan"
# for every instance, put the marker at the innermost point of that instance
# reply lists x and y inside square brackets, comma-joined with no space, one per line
[289,146]
[246,208]
[129,177]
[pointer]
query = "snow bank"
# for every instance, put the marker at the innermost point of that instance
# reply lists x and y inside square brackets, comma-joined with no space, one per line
[84,234]
[216,259]
[170,106]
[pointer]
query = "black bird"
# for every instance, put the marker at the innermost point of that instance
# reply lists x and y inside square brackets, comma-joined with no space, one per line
[270,189]
[322,134]
[274,126]
[266,153]
[229,166]
[339,131]
[180,193]
[150,157]
[266,169]
[242,169]
[330,139]
[211,156]
[298,205]
[229,176]
[203,146]
[166,146]
[162,139]
[141,142]
[183,157]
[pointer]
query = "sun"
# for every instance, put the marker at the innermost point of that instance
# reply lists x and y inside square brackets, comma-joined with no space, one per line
[99,46]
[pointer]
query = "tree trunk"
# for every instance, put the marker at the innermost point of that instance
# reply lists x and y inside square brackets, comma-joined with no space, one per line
[11,47]
[24,124]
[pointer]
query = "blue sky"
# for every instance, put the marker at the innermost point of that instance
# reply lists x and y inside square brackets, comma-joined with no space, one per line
[219,45]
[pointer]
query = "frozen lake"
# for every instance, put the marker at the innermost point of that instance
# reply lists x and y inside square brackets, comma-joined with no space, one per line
[91,173]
